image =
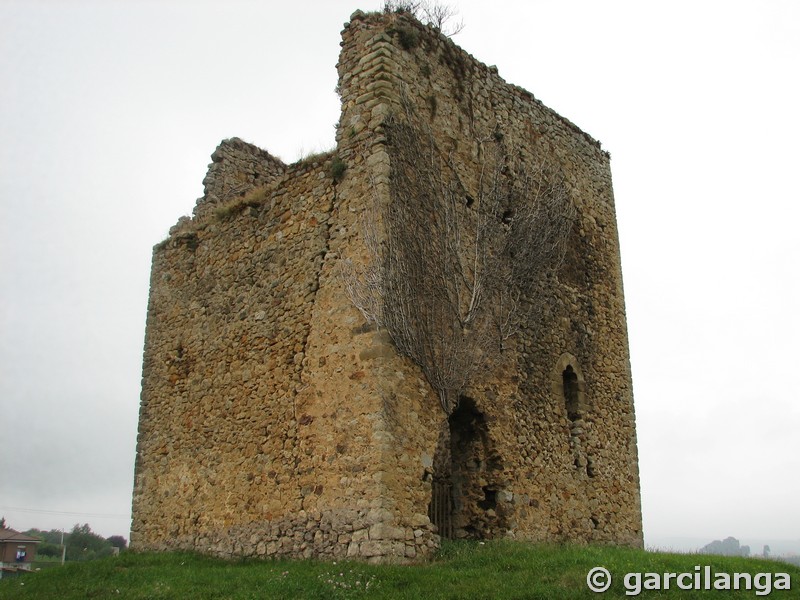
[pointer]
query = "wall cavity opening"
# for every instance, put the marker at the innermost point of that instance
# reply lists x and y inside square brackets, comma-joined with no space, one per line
[465,498]
[489,501]
[570,387]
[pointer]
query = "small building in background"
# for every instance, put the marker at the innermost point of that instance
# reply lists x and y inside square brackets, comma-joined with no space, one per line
[17,551]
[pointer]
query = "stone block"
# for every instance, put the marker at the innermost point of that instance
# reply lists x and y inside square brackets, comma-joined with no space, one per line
[384,531]
[374,548]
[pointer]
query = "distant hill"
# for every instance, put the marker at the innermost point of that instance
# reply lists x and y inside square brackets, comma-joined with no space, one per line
[730,546]
[684,544]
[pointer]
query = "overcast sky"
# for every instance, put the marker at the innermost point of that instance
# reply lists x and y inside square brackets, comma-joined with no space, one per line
[109,111]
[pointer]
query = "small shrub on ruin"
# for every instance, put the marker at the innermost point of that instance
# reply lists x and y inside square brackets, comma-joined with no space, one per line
[338,167]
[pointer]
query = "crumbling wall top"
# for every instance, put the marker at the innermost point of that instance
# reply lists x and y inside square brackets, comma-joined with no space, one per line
[408,33]
[237,167]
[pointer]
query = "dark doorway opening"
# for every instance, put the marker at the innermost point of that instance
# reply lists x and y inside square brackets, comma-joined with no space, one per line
[464,490]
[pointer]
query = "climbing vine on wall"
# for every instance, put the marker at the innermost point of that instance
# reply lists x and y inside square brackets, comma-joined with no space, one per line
[452,275]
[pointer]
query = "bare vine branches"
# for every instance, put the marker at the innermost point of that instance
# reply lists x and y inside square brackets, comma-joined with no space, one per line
[451,276]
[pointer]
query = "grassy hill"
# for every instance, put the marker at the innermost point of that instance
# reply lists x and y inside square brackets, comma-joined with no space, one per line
[462,570]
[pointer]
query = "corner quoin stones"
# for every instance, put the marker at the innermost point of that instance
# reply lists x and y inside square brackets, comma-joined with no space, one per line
[274,422]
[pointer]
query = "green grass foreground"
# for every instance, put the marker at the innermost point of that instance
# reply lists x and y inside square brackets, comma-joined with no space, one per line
[461,570]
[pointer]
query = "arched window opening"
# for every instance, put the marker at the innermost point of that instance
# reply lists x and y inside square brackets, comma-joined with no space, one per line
[570,386]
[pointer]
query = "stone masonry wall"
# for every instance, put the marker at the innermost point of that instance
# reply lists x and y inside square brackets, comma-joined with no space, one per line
[236,168]
[228,318]
[555,479]
[275,421]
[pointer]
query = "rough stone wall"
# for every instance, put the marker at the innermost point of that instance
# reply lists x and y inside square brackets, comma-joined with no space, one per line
[276,422]
[552,478]
[236,169]
[229,314]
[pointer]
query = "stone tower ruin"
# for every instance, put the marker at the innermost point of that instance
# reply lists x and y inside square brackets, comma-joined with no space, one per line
[420,334]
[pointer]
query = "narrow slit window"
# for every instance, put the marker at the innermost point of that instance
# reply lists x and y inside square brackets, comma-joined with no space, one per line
[570,382]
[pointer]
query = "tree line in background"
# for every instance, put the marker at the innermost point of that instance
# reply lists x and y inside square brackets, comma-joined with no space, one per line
[82,543]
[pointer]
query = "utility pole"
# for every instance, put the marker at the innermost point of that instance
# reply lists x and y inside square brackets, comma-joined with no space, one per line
[63,549]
